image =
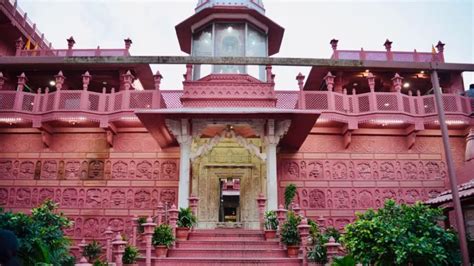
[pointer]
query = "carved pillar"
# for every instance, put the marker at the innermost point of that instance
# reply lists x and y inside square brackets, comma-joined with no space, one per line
[182,132]
[148,229]
[19,45]
[70,45]
[329,79]
[108,246]
[397,83]
[160,213]
[59,78]
[303,229]
[388,47]
[470,145]
[440,47]
[173,218]
[332,249]
[119,249]
[81,246]
[261,200]
[281,216]
[127,80]
[189,71]
[21,81]
[128,43]
[134,230]
[300,78]
[2,80]
[333,44]
[274,133]
[193,204]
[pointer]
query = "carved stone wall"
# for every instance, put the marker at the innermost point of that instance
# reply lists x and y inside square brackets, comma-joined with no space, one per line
[334,182]
[93,184]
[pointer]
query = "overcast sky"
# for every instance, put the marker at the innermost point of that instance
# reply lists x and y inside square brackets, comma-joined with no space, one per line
[309,25]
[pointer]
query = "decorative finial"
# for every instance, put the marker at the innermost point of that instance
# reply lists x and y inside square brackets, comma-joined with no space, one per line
[388,45]
[440,47]
[333,43]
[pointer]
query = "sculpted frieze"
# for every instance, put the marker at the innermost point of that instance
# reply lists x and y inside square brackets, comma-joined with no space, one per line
[6,167]
[27,170]
[93,198]
[3,196]
[120,170]
[144,170]
[117,198]
[50,169]
[72,170]
[96,169]
[169,170]
[70,198]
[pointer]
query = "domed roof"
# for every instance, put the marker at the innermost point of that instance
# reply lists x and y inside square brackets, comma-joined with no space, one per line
[252,4]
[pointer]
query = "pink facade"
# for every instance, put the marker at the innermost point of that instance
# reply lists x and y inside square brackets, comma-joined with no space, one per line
[106,151]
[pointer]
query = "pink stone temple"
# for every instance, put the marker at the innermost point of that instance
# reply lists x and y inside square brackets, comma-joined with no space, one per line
[108,143]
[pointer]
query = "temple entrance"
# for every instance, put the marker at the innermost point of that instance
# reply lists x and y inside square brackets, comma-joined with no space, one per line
[228,179]
[229,211]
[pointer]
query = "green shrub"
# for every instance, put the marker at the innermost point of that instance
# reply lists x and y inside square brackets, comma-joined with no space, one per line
[290,193]
[186,218]
[92,251]
[289,232]
[131,254]
[40,235]
[141,221]
[401,235]
[271,221]
[163,235]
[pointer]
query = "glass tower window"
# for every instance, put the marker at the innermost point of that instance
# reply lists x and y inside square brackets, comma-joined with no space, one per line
[230,39]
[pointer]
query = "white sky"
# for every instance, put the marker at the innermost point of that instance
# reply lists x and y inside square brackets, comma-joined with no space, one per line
[309,25]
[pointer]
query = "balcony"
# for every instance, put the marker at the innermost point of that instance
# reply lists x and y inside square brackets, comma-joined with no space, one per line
[340,106]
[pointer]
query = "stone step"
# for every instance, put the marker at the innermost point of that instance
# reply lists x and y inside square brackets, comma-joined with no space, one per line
[236,244]
[227,234]
[227,253]
[226,261]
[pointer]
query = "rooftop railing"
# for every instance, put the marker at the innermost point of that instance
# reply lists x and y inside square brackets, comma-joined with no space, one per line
[322,101]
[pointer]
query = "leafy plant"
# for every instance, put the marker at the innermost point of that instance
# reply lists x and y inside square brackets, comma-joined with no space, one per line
[271,221]
[92,251]
[99,262]
[331,231]
[40,235]
[130,255]
[290,193]
[313,229]
[347,260]
[141,221]
[401,235]
[186,218]
[163,235]
[289,232]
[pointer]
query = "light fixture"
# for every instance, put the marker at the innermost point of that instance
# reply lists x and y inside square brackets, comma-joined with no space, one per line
[386,104]
[406,85]
[52,83]
[355,84]
[385,122]
[422,72]
[229,29]
[105,82]
[367,71]
[9,120]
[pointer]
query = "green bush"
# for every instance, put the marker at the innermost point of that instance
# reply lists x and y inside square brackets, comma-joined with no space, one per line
[186,218]
[271,221]
[40,235]
[290,193]
[141,221]
[401,235]
[289,232]
[92,251]
[163,235]
[131,254]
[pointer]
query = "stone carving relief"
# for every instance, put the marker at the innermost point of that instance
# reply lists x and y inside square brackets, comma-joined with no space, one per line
[142,199]
[168,196]
[339,170]
[341,199]
[117,198]
[3,196]
[365,199]
[91,227]
[70,196]
[5,169]
[44,194]
[27,170]
[364,171]
[120,170]
[50,169]
[96,169]
[316,170]
[169,170]
[144,170]
[23,197]
[72,170]
[317,199]
[93,198]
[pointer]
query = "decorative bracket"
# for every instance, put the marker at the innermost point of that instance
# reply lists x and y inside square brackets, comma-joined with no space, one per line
[411,134]
[46,133]
[347,131]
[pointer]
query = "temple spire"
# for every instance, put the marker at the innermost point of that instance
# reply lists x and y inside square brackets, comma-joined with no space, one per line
[252,4]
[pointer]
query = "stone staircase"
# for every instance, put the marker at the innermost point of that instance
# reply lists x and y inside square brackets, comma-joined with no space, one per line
[227,246]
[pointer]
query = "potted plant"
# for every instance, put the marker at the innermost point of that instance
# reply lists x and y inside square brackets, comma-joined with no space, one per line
[186,220]
[162,239]
[92,251]
[290,235]
[271,224]
[130,256]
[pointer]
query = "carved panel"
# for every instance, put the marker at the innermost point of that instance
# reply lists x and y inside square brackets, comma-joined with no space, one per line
[3,196]
[27,170]
[91,227]
[144,170]
[169,170]
[316,170]
[168,196]
[6,167]
[387,171]
[72,170]
[317,199]
[70,198]
[93,198]
[50,169]
[142,198]
[339,171]
[120,170]
[23,197]
[96,169]
[118,198]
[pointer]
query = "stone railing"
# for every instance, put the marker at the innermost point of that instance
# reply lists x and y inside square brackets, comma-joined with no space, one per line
[75,52]
[323,101]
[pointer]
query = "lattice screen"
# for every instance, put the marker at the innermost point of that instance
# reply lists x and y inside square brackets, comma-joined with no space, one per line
[94,102]
[449,103]
[70,100]
[7,100]
[406,104]
[403,57]
[339,103]
[118,102]
[364,105]
[140,99]
[28,102]
[286,99]
[316,101]
[429,105]
[387,102]
[50,101]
